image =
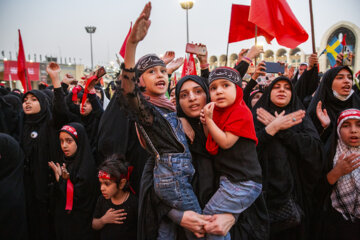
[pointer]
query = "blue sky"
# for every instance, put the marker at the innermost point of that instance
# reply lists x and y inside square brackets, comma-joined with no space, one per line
[57,27]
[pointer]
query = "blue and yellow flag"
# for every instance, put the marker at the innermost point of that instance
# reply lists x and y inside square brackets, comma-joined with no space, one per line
[332,50]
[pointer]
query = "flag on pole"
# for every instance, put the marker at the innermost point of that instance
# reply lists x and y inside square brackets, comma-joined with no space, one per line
[189,67]
[332,50]
[240,28]
[21,68]
[276,18]
[123,47]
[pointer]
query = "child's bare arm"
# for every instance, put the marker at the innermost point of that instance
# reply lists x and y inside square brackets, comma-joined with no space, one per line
[224,139]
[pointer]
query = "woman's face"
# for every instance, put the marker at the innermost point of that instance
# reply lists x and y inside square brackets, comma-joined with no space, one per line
[87,108]
[31,104]
[192,99]
[256,98]
[68,144]
[281,93]
[350,132]
[342,83]
[156,80]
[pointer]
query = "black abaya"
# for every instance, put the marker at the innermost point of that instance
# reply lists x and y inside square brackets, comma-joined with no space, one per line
[12,194]
[76,224]
[291,161]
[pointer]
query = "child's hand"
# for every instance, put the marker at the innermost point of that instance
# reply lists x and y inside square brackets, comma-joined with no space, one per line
[53,70]
[202,117]
[114,216]
[57,170]
[64,172]
[141,25]
[208,110]
[168,57]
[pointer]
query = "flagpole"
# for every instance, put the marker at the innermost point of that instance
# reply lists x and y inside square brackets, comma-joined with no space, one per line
[256,30]
[28,84]
[227,51]
[312,27]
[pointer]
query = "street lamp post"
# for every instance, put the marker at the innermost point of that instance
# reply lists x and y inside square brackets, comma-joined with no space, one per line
[91,30]
[187,5]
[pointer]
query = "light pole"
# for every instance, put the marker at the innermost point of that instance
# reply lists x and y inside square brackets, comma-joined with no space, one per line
[187,5]
[91,30]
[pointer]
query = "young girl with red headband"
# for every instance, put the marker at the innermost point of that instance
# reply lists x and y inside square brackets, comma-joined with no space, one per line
[75,175]
[116,209]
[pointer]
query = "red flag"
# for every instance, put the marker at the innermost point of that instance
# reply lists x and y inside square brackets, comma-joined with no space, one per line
[21,69]
[123,47]
[189,67]
[343,42]
[277,19]
[241,28]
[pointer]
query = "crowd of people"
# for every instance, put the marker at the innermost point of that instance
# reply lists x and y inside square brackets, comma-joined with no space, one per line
[209,157]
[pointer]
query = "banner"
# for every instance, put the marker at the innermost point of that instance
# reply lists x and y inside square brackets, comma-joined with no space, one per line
[10,68]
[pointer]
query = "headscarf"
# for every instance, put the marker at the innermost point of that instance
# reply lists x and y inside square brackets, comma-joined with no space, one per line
[12,195]
[11,115]
[345,196]
[38,142]
[252,95]
[332,104]
[81,165]
[287,168]
[236,118]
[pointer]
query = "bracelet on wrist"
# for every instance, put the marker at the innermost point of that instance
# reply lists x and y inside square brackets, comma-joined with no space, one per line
[203,66]
[250,61]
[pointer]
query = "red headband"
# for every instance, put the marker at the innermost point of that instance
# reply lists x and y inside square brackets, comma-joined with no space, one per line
[70,129]
[355,113]
[105,175]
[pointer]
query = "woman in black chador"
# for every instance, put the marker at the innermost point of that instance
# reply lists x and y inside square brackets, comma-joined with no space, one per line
[12,195]
[76,184]
[38,140]
[290,154]
[334,95]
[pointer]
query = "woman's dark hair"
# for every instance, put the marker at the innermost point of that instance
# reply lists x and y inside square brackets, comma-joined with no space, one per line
[117,167]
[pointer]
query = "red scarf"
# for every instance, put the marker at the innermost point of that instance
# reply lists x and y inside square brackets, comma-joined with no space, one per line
[236,119]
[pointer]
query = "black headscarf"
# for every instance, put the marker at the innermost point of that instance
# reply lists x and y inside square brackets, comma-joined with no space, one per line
[204,183]
[333,105]
[252,95]
[11,115]
[12,196]
[38,140]
[81,167]
[291,160]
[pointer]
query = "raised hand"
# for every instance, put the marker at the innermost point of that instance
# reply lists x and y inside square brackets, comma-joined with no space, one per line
[260,70]
[241,55]
[322,115]
[203,59]
[313,61]
[68,79]
[53,69]
[254,52]
[141,25]
[114,216]
[168,57]
[339,59]
[174,65]
[65,174]
[56,168]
